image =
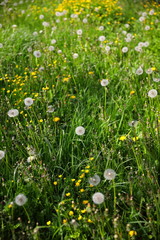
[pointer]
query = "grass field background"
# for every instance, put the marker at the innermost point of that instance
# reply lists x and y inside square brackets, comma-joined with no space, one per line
[79,120]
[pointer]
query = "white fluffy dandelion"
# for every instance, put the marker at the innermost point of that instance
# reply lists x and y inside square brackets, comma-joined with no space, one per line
[53,41]
[1,45]
[102,38]
[109,174]
[37,54]
[125,49]
[98,198]
[13,113]
[51,48]
[20,199]
[149,71]
[79,32]
[139,71]
[80,130]
[2,154]
[75,55]
[28,101]
[50,109]
[104,82]
[152,93]
[95,180]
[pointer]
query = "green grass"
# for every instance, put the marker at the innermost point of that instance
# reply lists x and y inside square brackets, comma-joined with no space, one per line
[45,159]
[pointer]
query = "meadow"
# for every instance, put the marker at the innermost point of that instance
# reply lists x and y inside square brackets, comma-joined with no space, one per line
[79,120]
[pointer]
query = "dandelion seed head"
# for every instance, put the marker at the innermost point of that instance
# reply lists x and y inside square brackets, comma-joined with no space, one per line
[139,71]
[80,130]
[102,38]
[20,199]
[104,82]
[28,101]
[95,180]
[2,154]
[125,49]
[109,174]
[13,113]
[152,93]
[98,198]
[37,54]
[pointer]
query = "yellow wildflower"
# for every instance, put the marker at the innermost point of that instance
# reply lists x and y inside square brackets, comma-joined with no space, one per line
[48,223]
[56,119]
[68,194]
[132,92]
[132,233]
[122,138]
[71,213]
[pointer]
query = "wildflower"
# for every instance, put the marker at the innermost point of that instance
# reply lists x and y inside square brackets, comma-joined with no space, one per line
[28,101]
[2,154]
[89,221]
[1,45]
[75,55]
[56,119]
[101,28]
[79,32]
[45,24]
[147,28]
[41,16]
[53,41]
[13,113]
[156,79]
[149,71]
[139,71]
[95,180]
[152,93]
[135,138]
[79,217]
[132,92]
[55,183]
[80,130]
[132,233]
[98,198]
[71,213]
[109,174]
[31,158]
[107,48]
[138,49]
[20,199]
[74,223]
[102,38]
[85,20]
[125,49]
[64,221]
[133,123]
[37,54]
[68,194]
[77,184]
[48,223]
[141,19]
[50,109]
[85,202]
[82,190]
[146,44]
[122,138]
[104,82]
[126,25]
[51,48]
[29,49]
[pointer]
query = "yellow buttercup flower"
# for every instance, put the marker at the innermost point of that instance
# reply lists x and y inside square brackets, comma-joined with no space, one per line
[122,138]
[56,119]
[132,233]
